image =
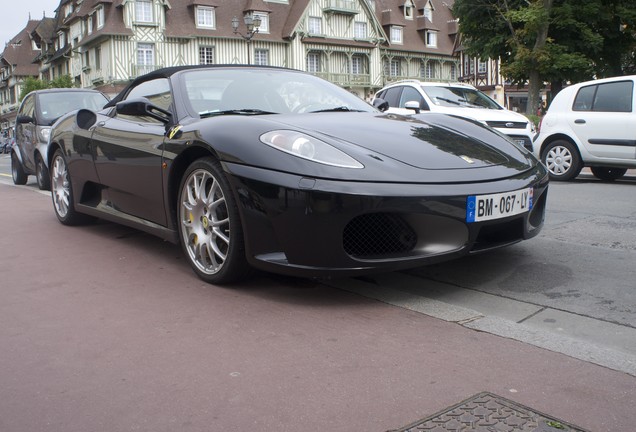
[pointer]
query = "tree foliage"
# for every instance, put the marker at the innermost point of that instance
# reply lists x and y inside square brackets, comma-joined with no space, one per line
[553,41]
[30,84]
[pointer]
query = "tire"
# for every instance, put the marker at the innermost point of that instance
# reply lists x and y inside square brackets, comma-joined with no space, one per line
[17,171]
[608,173]
[562,160]
[210,230]
[42,174]
[62,193]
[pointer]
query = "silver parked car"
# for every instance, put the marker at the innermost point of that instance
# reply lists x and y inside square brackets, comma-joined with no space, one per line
[38,111]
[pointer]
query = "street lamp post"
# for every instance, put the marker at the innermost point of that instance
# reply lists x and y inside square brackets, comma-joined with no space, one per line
[252,23]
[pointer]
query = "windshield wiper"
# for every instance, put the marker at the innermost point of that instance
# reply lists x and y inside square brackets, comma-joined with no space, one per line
[245,111]
[336,109]
[450,100]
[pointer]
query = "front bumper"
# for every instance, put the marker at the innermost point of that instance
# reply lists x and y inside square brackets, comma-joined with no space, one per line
[319,228]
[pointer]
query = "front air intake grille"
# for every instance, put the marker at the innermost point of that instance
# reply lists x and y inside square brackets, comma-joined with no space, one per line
[378,234]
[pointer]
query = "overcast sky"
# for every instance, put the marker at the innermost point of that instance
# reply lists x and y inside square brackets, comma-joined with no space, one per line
[14,15]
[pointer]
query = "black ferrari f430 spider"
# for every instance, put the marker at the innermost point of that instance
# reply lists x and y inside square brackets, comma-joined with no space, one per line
[276,169]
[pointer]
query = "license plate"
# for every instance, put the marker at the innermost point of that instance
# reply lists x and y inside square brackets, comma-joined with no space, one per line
[496,206]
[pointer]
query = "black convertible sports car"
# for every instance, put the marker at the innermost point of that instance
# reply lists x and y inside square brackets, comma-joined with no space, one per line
[276,169]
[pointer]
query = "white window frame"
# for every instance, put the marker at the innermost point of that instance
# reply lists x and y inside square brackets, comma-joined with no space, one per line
[453,72]
[204,55]
[357,65]
[61,40]
[431,39]
[428,12]
[314,23]
[409,10]
[99,13]
[397,34]
[89,24]
[259,55]
[145,56]
[482,66]
[313,62]
[206,17]
[394,68]
[264,27]
[143,11]
[360,30]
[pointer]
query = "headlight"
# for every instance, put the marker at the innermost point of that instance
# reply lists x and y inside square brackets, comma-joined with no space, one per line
[45,133]
[308,147]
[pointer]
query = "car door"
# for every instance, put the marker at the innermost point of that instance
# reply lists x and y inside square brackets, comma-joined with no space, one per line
[128,156]
[26,132]
[604,120]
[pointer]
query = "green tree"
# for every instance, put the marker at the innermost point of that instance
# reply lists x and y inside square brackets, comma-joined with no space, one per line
[30,84]
[553,41]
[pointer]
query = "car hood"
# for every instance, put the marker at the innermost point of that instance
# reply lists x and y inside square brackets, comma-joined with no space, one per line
[436,142]
[483,114]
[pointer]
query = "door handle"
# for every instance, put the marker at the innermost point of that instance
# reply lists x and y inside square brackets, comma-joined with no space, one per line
[579,121]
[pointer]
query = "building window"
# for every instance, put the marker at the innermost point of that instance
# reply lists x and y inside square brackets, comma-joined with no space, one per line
[392,68]
[264,27]
[396,34]
[453,72]
[98,58]
[87,60]
[145,58]
[431,39]
[206,55]
[261,57]
[469,66]
[431,69]
[89,24]
[143,11]
[315,25]
[360,30]
[61,40]
[482,67]
[100,17]
[313,62]
[357,65]
[408,9]
[205,17]
[428,12]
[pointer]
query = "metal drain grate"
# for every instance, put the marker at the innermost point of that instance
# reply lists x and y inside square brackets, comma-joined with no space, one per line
[486,412]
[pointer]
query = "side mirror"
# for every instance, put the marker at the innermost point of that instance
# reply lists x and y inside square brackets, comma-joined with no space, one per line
[23,119]
[380,104]
[85,118]
[143,107]
[413,105]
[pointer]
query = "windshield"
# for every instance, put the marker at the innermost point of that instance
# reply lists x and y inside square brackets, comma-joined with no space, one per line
[459,96]
[55,104]
[264,91]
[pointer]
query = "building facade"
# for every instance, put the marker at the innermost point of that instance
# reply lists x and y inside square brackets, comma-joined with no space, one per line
[358,44]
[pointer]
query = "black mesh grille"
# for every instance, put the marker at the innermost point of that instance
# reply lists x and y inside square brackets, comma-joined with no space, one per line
[377,234]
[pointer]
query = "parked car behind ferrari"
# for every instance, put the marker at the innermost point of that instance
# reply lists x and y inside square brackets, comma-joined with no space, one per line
[271,168]
[593,124]
[38,111]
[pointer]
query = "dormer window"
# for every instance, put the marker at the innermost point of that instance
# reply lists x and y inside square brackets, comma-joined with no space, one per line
[409,9]
[89,24]
[143,11]
[100,17]
[428,12]
[264,27]
[431,39]
[61,40]
[396,34]
[206,17]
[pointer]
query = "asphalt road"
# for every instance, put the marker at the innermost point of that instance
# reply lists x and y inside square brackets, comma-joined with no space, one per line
[104,328]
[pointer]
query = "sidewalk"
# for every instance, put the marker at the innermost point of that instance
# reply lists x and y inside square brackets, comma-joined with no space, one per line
[106,329]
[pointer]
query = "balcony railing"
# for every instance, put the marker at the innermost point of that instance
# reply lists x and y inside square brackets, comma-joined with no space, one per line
[347,7]
[139,70]
[346,79]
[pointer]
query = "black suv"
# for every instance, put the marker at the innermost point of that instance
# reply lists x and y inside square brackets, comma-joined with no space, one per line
[37,113]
